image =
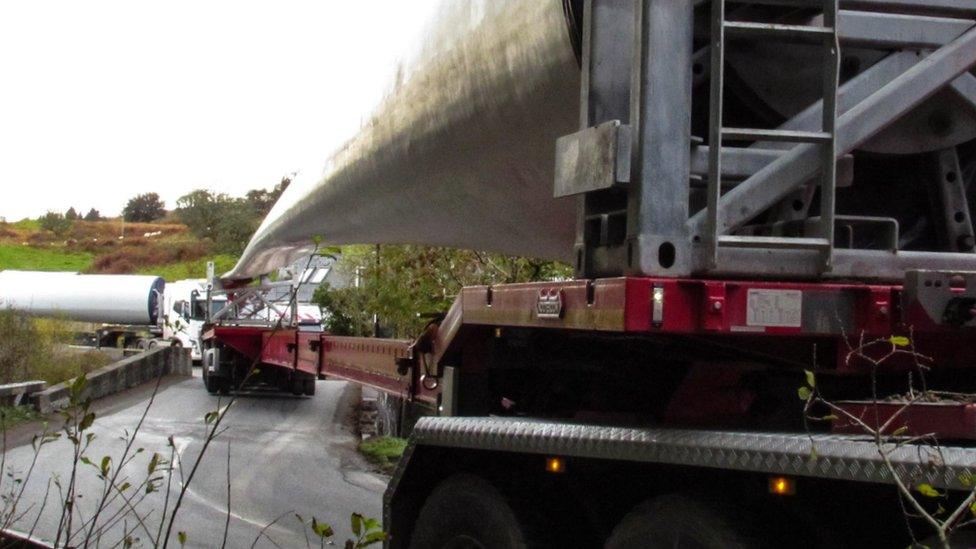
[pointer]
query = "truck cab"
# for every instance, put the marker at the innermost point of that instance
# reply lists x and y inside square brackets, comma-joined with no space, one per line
[185,311]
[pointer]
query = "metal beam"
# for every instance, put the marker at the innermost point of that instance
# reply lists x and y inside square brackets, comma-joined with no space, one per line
[856,126]
[890,30]
[878,265]
[660,118]
[851,93]
[736,162]
[948,7]
[965,88]
[942,7]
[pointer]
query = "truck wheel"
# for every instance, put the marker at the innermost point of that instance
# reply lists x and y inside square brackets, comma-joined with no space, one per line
[466,511]
[297,386]
[309,386]
[210,382]
[677,522]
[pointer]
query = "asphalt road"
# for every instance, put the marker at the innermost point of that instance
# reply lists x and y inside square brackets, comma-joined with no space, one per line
[287,455]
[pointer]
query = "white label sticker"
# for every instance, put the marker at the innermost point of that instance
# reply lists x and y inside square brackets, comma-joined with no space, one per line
[775,308]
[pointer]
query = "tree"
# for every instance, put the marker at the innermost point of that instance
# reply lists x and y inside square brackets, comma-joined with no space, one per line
[144,208]
[201,211]
[234,228]
[261,201]
[405,284]
[56,223]
[93,215]
[71,214]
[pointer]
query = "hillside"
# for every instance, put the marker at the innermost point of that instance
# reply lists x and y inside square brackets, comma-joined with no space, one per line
[169,250]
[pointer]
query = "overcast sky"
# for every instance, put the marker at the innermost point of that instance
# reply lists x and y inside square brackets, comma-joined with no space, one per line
[103,100]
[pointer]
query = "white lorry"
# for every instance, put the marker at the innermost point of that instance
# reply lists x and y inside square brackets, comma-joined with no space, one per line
[133,311]
[184,310]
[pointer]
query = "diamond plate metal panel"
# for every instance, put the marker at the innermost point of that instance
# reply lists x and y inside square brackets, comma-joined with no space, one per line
[842,457]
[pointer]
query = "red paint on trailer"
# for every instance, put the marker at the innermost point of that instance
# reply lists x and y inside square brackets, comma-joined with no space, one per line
[246,340]
[279,348]
[309,352]
[947,420]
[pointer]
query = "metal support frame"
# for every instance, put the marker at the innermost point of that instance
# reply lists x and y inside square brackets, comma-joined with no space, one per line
[661,238]
[953,203]
[841,457]
[824,138]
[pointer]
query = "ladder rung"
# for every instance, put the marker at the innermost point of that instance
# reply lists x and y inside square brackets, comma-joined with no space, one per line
[817,4]
[772,242]
[791,136]
[795,32]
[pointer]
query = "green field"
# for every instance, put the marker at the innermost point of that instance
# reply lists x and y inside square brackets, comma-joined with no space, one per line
[196,268]
[15,256]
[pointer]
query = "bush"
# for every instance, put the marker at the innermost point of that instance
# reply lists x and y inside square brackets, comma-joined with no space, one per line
[383,451]
[138,253]
[145,207]
[37,349]
[56,223]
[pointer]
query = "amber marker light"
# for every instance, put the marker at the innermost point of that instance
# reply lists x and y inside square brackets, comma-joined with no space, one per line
[555,465]
[782,486]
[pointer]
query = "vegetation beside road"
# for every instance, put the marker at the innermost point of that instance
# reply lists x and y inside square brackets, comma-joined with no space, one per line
[32,348]
[20,257]
[383,451]
[407,285]
[11,416]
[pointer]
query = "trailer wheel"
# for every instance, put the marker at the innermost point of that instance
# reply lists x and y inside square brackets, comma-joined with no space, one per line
[210,382]
[466,511]
[309,386]
[675,521]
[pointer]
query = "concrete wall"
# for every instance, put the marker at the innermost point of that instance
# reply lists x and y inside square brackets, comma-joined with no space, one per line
[119,376]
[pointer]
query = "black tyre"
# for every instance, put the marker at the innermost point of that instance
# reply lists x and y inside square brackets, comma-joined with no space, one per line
[210,382]
[297,386]
[465,512]
[309,386]
[678,522]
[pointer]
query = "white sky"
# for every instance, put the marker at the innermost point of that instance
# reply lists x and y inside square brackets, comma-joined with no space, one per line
[103,100]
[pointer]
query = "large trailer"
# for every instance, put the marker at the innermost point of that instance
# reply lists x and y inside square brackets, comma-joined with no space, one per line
[135,312]
[763,201]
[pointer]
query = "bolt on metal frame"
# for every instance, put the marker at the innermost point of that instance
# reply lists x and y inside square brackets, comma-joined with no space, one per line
[637,80]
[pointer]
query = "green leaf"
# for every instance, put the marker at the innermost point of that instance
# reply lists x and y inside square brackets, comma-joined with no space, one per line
[927,490]
[357,524]
[804,393]
[125,486]
[87,421]
[900,431]
[370,524]
[900,341]
[373,537]
[830,417]
[182,537]
[153,463]
[86,461]
[811,379]
[814,456]
[966,479]
[210,417]
[78,386]
[321,529]
[106,464]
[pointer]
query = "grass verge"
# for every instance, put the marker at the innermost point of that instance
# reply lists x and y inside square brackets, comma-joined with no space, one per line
[16,256]
[383,451]
[196,268]
[15,415]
